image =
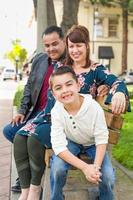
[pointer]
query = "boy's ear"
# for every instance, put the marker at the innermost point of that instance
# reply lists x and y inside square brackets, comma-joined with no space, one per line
[52,93]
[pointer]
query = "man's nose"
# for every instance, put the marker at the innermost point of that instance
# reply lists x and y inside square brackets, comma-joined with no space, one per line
[51,48]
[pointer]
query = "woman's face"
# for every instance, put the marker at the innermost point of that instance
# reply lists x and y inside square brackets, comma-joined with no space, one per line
[77,51]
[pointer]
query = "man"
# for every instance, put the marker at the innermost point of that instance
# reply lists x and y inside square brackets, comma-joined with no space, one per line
[35,92]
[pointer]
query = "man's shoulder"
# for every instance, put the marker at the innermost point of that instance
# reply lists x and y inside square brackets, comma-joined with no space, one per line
[40,56]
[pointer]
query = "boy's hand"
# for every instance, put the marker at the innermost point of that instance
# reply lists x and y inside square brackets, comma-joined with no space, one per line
[92,174]
[17,119]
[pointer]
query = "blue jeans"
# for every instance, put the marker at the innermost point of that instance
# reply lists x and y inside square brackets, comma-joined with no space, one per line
[10,131]
[59,169]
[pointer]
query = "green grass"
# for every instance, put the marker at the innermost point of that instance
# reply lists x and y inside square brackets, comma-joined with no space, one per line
[123,151]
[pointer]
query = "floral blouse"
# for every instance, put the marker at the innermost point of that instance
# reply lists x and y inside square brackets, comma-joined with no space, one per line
[90,81]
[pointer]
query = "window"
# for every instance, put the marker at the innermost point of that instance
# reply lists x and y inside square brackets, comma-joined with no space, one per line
[98,27]
[112,27]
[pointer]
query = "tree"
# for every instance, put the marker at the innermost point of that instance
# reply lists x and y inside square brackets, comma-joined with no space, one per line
[45,16]
[70,14]
[127,9]
[17,54]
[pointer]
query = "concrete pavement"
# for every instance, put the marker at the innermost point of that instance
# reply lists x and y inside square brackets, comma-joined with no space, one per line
[5,150]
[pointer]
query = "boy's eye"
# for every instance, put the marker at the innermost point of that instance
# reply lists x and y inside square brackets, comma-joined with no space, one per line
[57,88]
[69,84]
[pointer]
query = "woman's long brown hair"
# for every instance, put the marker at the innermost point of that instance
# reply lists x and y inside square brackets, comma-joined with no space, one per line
[78,34]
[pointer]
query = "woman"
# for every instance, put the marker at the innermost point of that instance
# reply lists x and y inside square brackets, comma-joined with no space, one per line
[91,76]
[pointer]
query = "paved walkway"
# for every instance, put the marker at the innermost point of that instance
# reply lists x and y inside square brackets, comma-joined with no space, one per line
[5,150]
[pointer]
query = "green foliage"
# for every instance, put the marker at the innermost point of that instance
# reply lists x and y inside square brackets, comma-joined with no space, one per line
[17,52]
[123,151]
[18,96]
[126,4]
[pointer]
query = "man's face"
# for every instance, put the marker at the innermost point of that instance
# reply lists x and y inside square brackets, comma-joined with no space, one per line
[54,45]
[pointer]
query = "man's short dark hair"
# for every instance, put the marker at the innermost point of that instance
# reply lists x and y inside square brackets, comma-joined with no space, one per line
[52,29]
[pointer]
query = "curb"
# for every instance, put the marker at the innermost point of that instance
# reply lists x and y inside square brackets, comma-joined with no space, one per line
[122,168]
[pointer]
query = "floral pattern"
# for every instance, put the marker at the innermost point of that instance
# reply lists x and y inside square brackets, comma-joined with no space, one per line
[90,81]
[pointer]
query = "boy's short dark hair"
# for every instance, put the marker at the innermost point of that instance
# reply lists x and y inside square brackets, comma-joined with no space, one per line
[52,29]
[60,71]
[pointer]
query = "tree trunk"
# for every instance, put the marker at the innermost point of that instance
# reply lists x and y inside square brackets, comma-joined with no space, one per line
[70,14]
[41,22]
[125,39]
[51,13]
[45,15]
[35,8]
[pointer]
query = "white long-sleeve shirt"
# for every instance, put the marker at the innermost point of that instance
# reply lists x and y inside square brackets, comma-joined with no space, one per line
[87,127]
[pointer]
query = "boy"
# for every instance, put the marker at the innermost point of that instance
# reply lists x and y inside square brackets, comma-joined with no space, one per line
[78,124]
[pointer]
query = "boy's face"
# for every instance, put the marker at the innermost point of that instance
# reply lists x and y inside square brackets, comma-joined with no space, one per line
[65,88]
[54,45]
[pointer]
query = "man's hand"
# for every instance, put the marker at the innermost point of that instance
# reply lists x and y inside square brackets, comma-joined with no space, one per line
[118,103]
[18,119]
[102,90]
[92,174]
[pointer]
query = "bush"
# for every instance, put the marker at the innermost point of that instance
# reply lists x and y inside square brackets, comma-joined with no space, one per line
[130,90]
[123,151]
[18,96]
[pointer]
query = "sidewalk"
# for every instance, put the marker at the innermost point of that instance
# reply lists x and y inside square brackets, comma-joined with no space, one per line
[5,150]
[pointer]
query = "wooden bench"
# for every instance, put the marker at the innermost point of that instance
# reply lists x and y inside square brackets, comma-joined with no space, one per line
[114,123]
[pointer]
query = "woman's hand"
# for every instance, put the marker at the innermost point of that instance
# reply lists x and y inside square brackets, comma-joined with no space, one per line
[118,103]
[102,90]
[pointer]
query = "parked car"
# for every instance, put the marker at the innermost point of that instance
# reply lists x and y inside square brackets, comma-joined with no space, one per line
[127,77]
[8,73]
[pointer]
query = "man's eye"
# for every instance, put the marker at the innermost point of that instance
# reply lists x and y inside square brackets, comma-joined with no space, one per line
[55,44]
[46,46]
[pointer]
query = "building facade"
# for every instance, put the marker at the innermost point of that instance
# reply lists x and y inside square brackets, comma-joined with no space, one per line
[105,27]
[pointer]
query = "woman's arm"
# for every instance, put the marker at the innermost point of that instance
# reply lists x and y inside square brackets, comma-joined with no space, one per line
[118,94]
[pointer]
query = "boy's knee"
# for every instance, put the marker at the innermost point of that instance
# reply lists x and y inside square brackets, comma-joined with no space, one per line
[109,179]
[59,169]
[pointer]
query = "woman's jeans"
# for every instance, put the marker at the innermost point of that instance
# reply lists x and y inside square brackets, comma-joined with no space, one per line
[59,169]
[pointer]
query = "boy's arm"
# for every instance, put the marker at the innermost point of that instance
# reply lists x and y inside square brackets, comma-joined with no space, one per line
[100,152]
